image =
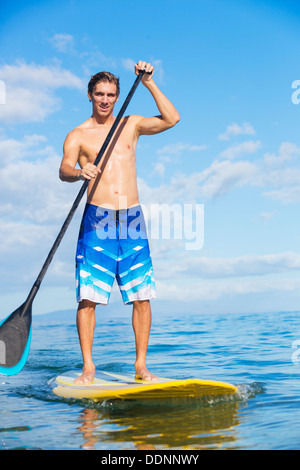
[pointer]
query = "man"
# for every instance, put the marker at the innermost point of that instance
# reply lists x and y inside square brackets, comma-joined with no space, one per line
[112,210]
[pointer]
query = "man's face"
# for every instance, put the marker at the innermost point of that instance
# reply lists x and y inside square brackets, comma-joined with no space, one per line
[104,97]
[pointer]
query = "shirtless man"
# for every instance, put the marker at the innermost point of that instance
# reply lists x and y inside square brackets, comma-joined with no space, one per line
[113,202]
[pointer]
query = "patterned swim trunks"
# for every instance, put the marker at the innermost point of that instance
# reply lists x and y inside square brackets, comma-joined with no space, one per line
[113,244]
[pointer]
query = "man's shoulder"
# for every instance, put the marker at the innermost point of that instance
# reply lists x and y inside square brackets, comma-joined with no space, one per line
[133,119]
[78,131]
[84,125]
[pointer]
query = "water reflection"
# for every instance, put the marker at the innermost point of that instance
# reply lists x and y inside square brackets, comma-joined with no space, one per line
[144,426]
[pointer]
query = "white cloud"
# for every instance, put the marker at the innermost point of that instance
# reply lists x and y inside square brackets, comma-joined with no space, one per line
[203,291]
[30,91]
[169,152]
[239,150]
[95,61]
[179,147]
[34,204]
[207,291]
[235,129]
[280,178]
[287,153]
[22,178]
[202,267]
[207,279]
[128,64]
[265,216]
[285,195]
[277,175]
[11,149]
[62,42]
[281,172]
[28,105]
[215,181]
[159,169]
[221,177]
[39,76]
[24,249]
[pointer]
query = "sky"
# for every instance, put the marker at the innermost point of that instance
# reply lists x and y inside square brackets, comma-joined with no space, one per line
[228,172]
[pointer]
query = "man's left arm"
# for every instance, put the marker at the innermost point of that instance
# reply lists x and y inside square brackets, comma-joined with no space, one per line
[169,115]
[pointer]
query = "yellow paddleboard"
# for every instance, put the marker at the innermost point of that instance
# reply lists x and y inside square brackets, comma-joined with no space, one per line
[108,385]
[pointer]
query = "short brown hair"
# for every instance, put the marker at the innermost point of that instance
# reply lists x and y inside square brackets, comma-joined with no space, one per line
[103,77]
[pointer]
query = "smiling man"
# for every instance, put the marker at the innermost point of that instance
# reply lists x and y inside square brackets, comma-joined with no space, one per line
[112,241]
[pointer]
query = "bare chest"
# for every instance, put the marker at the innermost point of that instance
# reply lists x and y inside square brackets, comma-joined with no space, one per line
[121,146]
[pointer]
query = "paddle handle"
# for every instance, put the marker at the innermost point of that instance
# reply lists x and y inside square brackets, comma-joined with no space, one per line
[79,196]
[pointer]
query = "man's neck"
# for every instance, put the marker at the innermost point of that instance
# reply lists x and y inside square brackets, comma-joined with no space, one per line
[102,121]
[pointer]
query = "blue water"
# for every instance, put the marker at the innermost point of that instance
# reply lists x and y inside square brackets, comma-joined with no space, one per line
[258,353]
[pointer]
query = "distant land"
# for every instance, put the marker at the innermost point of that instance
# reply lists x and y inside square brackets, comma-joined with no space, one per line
[117,309]
[69,316]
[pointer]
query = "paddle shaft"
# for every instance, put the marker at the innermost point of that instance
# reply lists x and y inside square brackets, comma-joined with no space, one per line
[66,223]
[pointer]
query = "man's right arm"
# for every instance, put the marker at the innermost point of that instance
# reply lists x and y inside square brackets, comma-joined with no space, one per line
[68,171]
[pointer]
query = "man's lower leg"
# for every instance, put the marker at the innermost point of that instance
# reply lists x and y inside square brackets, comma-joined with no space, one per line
[141,322]
[86,327]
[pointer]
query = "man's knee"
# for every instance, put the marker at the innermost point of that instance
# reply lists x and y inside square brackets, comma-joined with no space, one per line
[87,305]
[142,305]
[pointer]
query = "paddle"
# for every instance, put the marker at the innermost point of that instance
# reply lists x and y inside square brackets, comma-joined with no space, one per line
[15,330]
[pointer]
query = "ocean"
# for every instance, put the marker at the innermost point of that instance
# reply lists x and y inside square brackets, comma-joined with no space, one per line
[256,352]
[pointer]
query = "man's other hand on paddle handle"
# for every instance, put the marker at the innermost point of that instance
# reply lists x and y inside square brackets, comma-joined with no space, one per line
[148,68]
[89,171]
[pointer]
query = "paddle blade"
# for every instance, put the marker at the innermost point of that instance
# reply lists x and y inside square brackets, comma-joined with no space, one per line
[15,337]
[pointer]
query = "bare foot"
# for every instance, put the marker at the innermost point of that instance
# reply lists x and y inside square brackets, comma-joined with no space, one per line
[142,373]
[87,376]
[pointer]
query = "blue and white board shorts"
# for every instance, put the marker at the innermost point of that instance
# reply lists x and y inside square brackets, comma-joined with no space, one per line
[113,244]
